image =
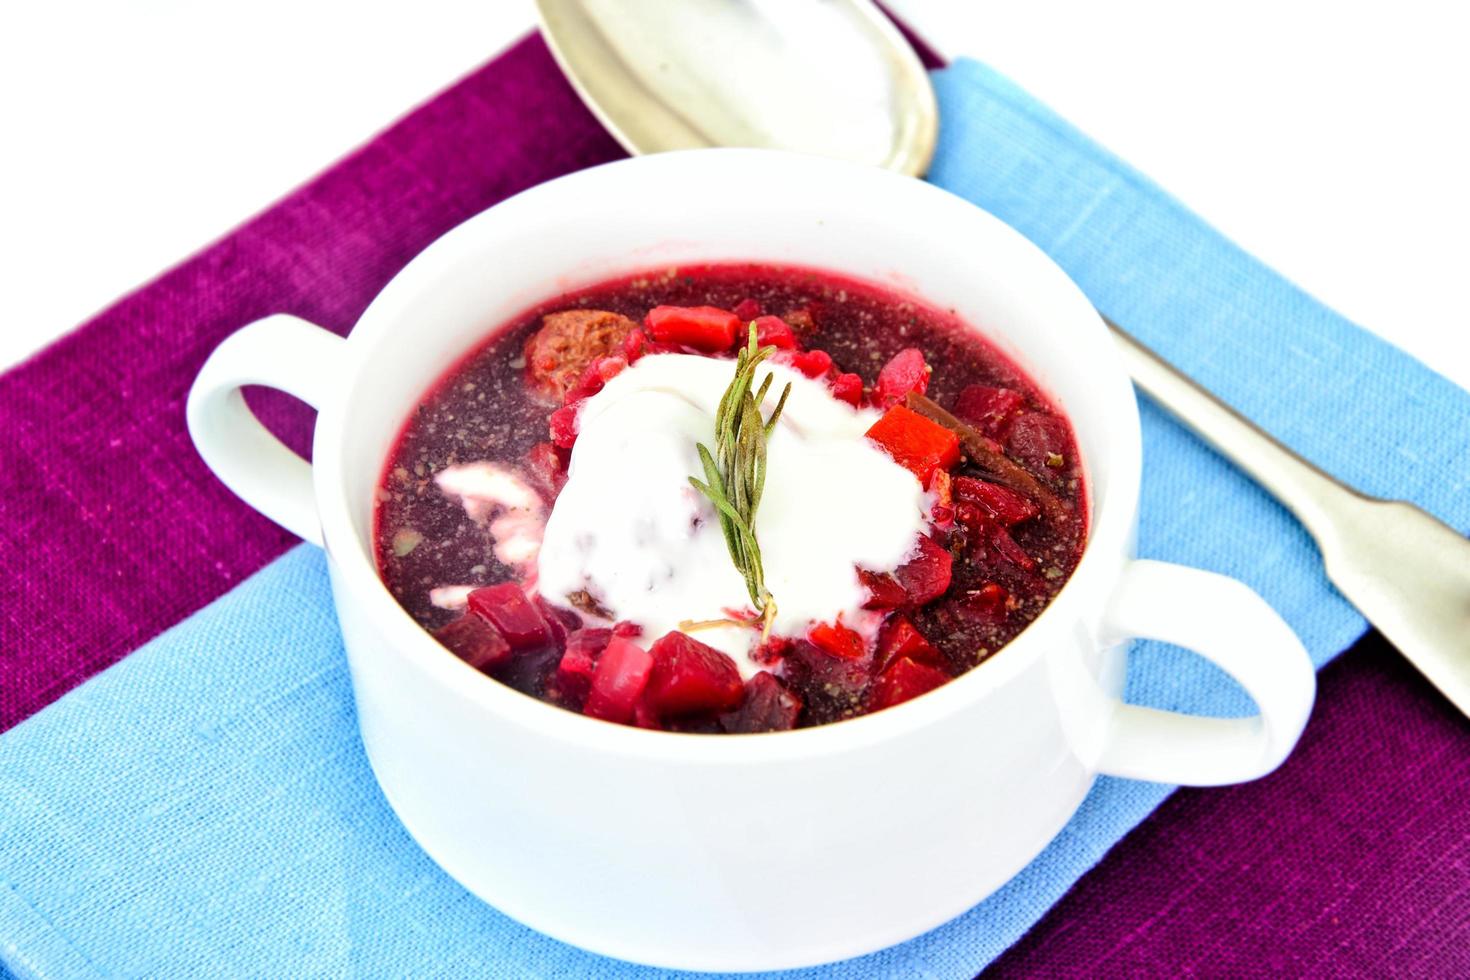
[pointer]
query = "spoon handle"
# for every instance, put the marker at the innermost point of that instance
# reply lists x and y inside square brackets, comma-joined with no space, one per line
[1407,572]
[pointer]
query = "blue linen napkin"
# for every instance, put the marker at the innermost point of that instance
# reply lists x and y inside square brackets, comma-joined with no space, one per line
[204,807]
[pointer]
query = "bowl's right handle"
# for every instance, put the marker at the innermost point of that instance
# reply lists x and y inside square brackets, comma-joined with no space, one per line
[281,352]
[1233,627]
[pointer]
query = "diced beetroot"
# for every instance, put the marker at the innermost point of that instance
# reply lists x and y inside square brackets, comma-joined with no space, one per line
[1003,503]
[812,363]
[772,331]
[563,425]
[847,388]
[915,443]
[545,471]
[689,676]
[768,707]
[771,652]
[837,640]
[1002,541]
[899,638]
[747,309]
[989,409]
[985,533]
[618,681]
[578,663]
[626,629]
[905,372]
[1041,443]
[884,592]
[633,345]
[903,680]
[475,641]
[831,687]
[560,621]
[703,328]
[987,605]
[517,619]
[925,577]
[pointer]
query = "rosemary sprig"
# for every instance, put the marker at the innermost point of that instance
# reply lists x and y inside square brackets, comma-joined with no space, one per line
[735,473]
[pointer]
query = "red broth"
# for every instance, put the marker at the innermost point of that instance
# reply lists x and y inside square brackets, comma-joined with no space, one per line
[1009,518]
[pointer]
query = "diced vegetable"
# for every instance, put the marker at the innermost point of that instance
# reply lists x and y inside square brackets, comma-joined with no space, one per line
[517,619]
[812,363]
[1041,443]
[704,328]
[774,332]
[903,681]
[633,345]
[884,592]
[768,707]
[915,443]
[837,640]
[926,576]
[831,687]
[545,471]
[904,372]
[475,641]
[989,409]
[564,427]
[578,663]
[689,677]
[847,388]
[618,681]
[985,532]
[1003,503]
[747,309]
[899,638]
[987,605]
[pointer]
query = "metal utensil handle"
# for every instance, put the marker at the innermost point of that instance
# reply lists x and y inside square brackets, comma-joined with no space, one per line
[1404,570]
[1303,488]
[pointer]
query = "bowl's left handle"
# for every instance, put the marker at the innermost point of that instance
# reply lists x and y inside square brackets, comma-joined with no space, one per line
[281,352]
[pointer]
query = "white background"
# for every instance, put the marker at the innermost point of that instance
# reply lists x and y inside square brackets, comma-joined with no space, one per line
[1327,138]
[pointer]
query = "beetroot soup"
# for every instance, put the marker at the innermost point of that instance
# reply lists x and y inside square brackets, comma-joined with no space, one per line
[732,498]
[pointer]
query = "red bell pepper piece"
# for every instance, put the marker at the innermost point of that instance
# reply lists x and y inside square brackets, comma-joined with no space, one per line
[916,443]
[704,328]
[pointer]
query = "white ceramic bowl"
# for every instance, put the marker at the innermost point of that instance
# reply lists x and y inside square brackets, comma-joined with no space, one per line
[760,851]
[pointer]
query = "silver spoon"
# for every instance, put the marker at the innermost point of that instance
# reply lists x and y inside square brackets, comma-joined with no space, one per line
[666,76]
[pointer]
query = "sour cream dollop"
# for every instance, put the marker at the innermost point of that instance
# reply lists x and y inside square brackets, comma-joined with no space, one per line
[630,530]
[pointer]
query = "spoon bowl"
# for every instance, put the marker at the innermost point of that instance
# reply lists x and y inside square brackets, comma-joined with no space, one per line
[702,73]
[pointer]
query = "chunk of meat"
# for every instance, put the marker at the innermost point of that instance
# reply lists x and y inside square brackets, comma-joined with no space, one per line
[559,353]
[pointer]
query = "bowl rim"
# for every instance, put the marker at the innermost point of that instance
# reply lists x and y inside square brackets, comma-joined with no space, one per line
[1110,529]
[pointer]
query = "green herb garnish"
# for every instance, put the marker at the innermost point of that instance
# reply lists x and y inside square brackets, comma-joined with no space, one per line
[735,474]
